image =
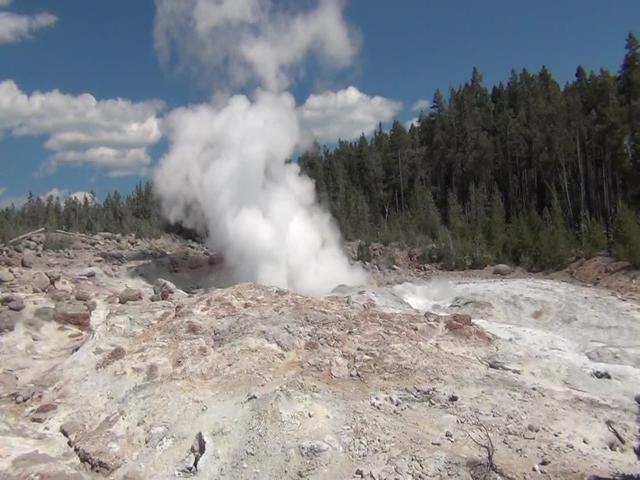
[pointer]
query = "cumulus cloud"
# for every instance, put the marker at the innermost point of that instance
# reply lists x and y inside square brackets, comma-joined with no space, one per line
[413,121]
[63,194]
[345,114]
[421,105]
[114,134]
[15,27]
[238,41]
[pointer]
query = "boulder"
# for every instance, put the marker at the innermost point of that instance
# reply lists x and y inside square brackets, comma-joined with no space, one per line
[502,269]
[88,272]
[53,276]
[73,313]
[27,261]
[130,295]
[162,285]
[82,295]
[40,282]
[17,304]
[8,321]
[6,276]
[58,295]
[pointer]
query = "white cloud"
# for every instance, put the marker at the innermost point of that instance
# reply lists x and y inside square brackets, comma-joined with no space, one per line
[114,134]
[15,27]
[64,194]
[345,114]
[413,121]
[239,40]
[421,105]
[5,3]
[2,190]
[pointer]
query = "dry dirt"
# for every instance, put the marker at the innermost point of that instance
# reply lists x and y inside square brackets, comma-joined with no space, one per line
[454,377]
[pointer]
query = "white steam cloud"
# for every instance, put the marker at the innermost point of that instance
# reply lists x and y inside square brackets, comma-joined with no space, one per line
[238,42]
[226,167]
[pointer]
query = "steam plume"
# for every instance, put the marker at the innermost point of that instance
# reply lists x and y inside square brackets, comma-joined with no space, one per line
[226,163]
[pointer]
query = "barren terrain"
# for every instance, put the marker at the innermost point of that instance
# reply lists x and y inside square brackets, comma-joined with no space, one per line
[125,359]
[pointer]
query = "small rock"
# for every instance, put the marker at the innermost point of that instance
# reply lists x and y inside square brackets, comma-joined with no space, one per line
[375,402]
[130,295]
[453,398]
[82,295]
[340,367]
[72,313]
[601,374]
[17,304]
[502,269]
[89,272]
[162,285]
[40,282]
[6,276]
[42,412]
[27,261]
[8,321]
[53,276]
[58,295]
[533,428]
[313,448]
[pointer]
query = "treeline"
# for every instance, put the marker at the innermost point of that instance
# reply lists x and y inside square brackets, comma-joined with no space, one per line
[138,213]
[527,172]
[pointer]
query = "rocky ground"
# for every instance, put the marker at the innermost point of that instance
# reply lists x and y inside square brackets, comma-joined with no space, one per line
[125,359]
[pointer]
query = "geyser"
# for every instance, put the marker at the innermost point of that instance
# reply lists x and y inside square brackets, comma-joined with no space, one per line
[226,166]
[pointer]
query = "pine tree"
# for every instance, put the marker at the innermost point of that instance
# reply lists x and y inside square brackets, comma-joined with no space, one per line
[627,232]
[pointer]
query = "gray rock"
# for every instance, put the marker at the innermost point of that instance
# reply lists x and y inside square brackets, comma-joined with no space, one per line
[54,276]
[340,367]
[82,296]
[313,448]
[43,412]
[40,282]
[27,261]
[8,321]
[502,269]
[161,285]
[58,295]
[130,295]
[6,276]
[17,304]
[89,272]
[73,313]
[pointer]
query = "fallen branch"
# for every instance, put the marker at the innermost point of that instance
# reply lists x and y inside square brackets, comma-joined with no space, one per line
[613,430]
[26,235]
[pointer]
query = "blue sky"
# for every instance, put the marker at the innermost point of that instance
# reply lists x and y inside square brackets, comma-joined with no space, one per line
[409,48]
